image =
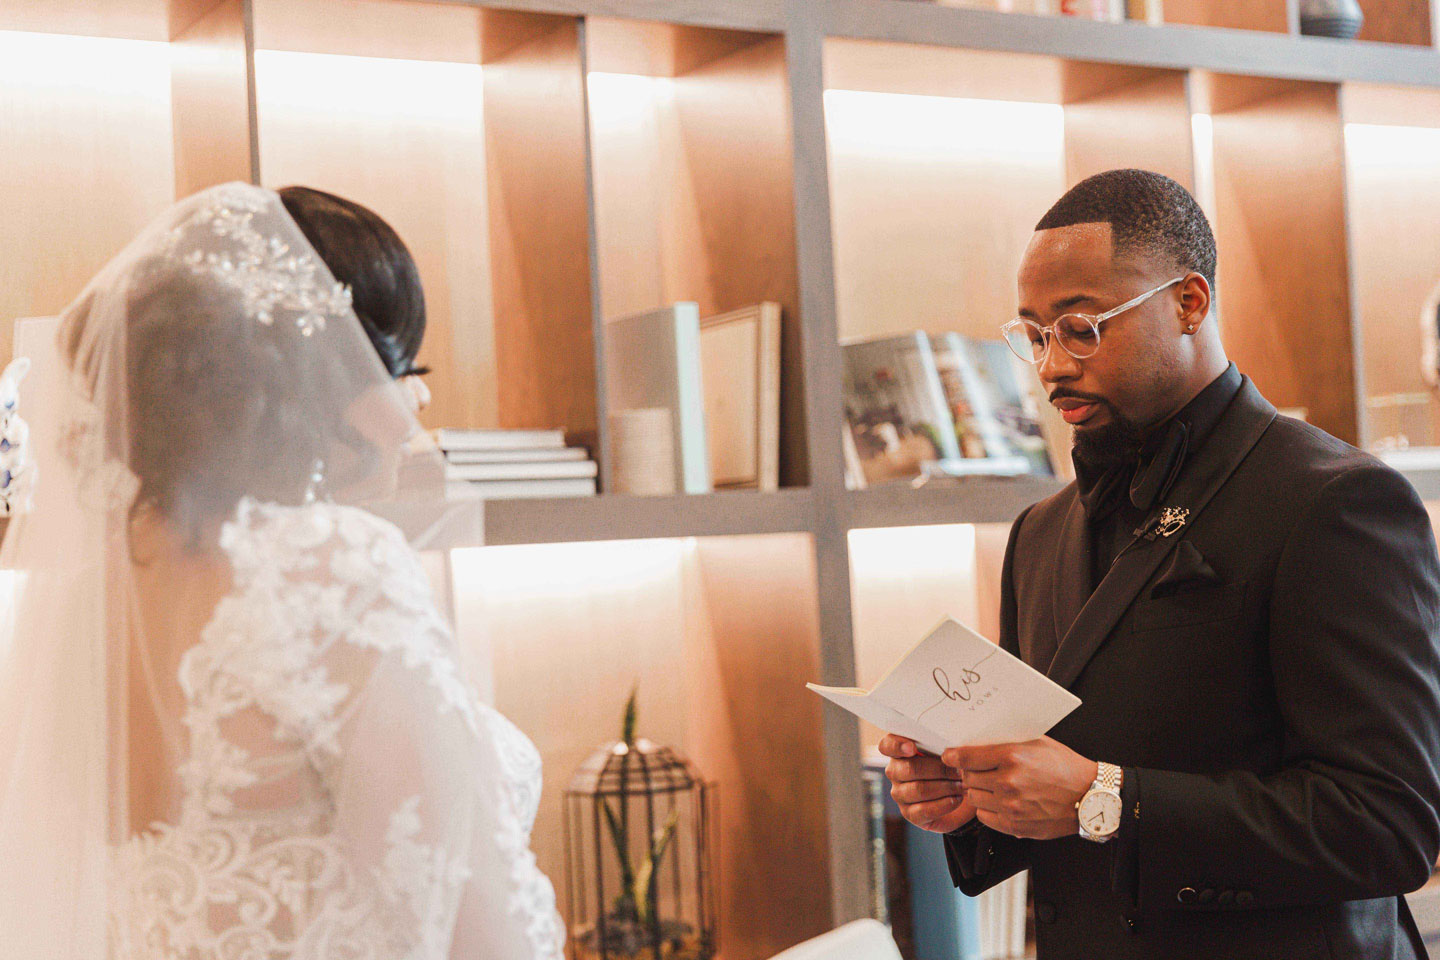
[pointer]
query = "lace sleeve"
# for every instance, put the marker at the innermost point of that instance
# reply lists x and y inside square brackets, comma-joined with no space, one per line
[434,794]
[370,807]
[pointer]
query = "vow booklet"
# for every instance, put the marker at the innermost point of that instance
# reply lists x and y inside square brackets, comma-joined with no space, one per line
[957,689]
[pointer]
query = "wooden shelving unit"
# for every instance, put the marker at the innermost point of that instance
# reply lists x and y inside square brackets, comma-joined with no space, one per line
[873,165]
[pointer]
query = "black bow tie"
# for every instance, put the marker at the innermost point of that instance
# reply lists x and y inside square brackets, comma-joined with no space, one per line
[1156,472]
[1151,474]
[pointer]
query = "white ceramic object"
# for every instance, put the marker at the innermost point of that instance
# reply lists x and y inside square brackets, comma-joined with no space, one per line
[860,940]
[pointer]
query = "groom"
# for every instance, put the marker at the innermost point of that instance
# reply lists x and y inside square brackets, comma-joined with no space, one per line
[1248,609]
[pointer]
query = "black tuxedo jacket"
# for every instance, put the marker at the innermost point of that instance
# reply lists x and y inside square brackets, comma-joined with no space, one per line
[1268,677]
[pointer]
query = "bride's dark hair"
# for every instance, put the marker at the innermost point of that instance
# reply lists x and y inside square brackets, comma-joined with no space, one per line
[367,255]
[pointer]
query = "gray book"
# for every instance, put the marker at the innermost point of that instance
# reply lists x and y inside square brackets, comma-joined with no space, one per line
[653,360]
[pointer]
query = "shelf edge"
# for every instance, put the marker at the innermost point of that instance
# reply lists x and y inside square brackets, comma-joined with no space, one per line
[1174,46]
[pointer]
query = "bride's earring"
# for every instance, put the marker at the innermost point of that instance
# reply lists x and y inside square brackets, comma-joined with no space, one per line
[315,489]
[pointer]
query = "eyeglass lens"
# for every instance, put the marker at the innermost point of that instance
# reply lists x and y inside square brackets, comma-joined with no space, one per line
[1077,335]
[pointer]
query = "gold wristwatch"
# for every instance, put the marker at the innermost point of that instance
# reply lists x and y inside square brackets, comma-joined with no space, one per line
[1099,809]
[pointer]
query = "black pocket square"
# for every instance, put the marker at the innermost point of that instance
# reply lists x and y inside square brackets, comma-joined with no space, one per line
[1188,569]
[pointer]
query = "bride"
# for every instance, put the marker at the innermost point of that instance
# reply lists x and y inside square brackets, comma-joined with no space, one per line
[233,723]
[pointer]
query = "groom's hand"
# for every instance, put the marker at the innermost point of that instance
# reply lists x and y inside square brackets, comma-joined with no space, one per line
[928,793]
[1025,789]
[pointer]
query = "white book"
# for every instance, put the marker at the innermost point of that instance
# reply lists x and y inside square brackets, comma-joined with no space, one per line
[522,489]
[955,688]
[561,470]
[448,438]
[516,456]
[653,360]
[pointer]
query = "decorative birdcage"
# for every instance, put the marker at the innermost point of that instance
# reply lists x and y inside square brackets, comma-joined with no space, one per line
[639,854]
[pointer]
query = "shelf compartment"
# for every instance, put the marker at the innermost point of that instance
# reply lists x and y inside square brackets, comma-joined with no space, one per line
[465,128]
[1271,156]
[718,635]
[693,183]
[1393,214]
[942,161]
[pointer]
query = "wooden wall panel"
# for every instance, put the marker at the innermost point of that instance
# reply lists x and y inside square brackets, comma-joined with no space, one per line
[719,636]
[1398,21]
[1283,273]
[1238,14]
[87,162]
[693,185]
[932,201]
[127,19]
[394,29]
[646,234]
[936,188]
[540,225]
[1393,204]
[1144,124]
[904,581]
[405,138]
[942,71]
[735,134]
[756,730]
[566,631]
[211,98]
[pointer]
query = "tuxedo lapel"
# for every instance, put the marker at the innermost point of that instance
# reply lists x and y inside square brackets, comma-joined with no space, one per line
[1247,417]
[1069,583]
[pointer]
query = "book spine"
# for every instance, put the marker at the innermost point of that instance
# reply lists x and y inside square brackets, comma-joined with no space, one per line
[690,422]
[769,395]
[560,470]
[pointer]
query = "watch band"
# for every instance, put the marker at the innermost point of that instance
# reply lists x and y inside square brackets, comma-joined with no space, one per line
[1109,776]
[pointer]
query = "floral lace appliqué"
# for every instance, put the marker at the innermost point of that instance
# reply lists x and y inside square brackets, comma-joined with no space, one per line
[270,276]
[232,878]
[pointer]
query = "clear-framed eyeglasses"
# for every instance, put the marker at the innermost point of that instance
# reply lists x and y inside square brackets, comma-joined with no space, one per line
[1077,333]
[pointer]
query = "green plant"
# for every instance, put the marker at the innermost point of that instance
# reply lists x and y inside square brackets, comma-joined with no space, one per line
[632,922]
[636,900]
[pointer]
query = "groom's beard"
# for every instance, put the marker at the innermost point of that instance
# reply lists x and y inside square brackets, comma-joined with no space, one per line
[1115,443]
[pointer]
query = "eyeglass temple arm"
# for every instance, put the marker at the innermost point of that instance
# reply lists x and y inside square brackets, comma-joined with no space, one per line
[1136,301]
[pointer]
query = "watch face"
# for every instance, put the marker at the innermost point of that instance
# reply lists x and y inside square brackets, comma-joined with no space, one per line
[1100,813]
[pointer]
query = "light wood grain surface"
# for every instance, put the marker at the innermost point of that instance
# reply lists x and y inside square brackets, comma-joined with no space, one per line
[214,134]
[1393,213]
[87,162]
[407,139]
[1280,226]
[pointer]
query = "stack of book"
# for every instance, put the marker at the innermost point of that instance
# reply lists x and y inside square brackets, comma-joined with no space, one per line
[509,464]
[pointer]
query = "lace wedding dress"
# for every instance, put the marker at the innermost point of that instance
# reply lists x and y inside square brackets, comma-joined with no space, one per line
[283,761]
[329,664]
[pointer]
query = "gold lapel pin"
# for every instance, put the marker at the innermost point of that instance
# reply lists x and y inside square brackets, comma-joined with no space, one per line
[1171,520]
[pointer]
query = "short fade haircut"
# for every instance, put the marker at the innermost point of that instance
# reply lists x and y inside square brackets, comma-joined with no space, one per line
[1148,213]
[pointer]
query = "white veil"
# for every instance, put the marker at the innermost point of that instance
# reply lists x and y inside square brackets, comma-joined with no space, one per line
[215,369]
